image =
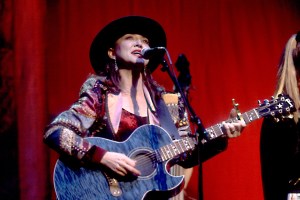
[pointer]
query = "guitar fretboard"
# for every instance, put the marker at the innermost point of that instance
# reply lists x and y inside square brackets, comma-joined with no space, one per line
[216,130]
[174,149]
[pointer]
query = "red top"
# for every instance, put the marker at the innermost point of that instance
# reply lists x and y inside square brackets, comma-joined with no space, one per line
[128,123]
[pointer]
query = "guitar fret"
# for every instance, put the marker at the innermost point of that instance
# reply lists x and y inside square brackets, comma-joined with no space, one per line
[164,157]
[171,152]
[175,149]
[218,129]
[247,118]
[210,133]
[214,131]
[192,143]
[167,152]
[179,147]
[251,116]
[187,145]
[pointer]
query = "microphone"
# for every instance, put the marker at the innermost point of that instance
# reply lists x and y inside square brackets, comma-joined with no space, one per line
[149,52]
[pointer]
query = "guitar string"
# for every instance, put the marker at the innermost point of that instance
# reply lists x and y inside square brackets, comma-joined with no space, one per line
[157,157]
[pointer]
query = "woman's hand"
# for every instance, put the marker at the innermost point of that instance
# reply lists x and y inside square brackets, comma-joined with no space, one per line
[119,163]
[234,129]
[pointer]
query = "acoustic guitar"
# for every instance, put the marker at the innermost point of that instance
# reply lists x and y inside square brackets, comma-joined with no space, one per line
[152,148]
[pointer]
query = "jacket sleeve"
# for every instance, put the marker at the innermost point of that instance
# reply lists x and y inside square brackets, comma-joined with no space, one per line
[66,134]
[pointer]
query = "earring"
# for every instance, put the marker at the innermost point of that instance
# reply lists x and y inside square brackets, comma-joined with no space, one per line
[116,65]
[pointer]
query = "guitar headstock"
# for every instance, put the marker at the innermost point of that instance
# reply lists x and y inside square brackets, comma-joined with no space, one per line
[281,107]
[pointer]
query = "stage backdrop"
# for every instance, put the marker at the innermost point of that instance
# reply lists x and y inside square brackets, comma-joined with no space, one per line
[233,47]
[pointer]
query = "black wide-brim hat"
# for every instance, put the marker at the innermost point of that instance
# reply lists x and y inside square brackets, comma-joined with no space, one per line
[107,37]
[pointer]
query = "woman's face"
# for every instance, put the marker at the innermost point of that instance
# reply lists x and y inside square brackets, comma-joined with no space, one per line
[128,49]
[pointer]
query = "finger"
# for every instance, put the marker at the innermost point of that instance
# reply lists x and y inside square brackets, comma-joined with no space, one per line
[120,173]
[228,129]
[128,165]
[231,134]
[120,170]
[132,169]
[129,161]
[225,126]
[234,134]
[239,126]
[233,113]
[234,129]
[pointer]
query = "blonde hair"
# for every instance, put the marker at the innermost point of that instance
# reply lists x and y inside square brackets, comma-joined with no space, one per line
[287,75]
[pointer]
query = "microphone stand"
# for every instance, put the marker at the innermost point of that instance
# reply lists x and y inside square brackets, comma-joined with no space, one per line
[194,118]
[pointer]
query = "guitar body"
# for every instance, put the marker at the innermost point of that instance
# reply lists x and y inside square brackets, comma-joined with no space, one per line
[90,183]
[151,147]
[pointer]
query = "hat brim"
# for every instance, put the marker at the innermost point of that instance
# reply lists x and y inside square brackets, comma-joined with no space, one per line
[116,29]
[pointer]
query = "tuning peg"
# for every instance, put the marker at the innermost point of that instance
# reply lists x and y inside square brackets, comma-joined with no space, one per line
[259,102]
[266,102]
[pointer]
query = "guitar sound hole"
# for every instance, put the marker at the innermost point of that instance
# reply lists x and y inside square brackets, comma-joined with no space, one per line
[145,161]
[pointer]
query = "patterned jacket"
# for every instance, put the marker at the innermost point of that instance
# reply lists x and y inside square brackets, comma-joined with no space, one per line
[97,112]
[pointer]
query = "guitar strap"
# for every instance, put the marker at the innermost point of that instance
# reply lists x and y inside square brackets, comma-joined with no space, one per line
[165,119]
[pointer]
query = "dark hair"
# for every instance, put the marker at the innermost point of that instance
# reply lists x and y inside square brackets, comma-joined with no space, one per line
[154,88]
[296,56]
[298,37]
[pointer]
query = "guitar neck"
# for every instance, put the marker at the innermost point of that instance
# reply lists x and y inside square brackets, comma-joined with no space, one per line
[282,106]
[215,131]
[187,144]
[175,149]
